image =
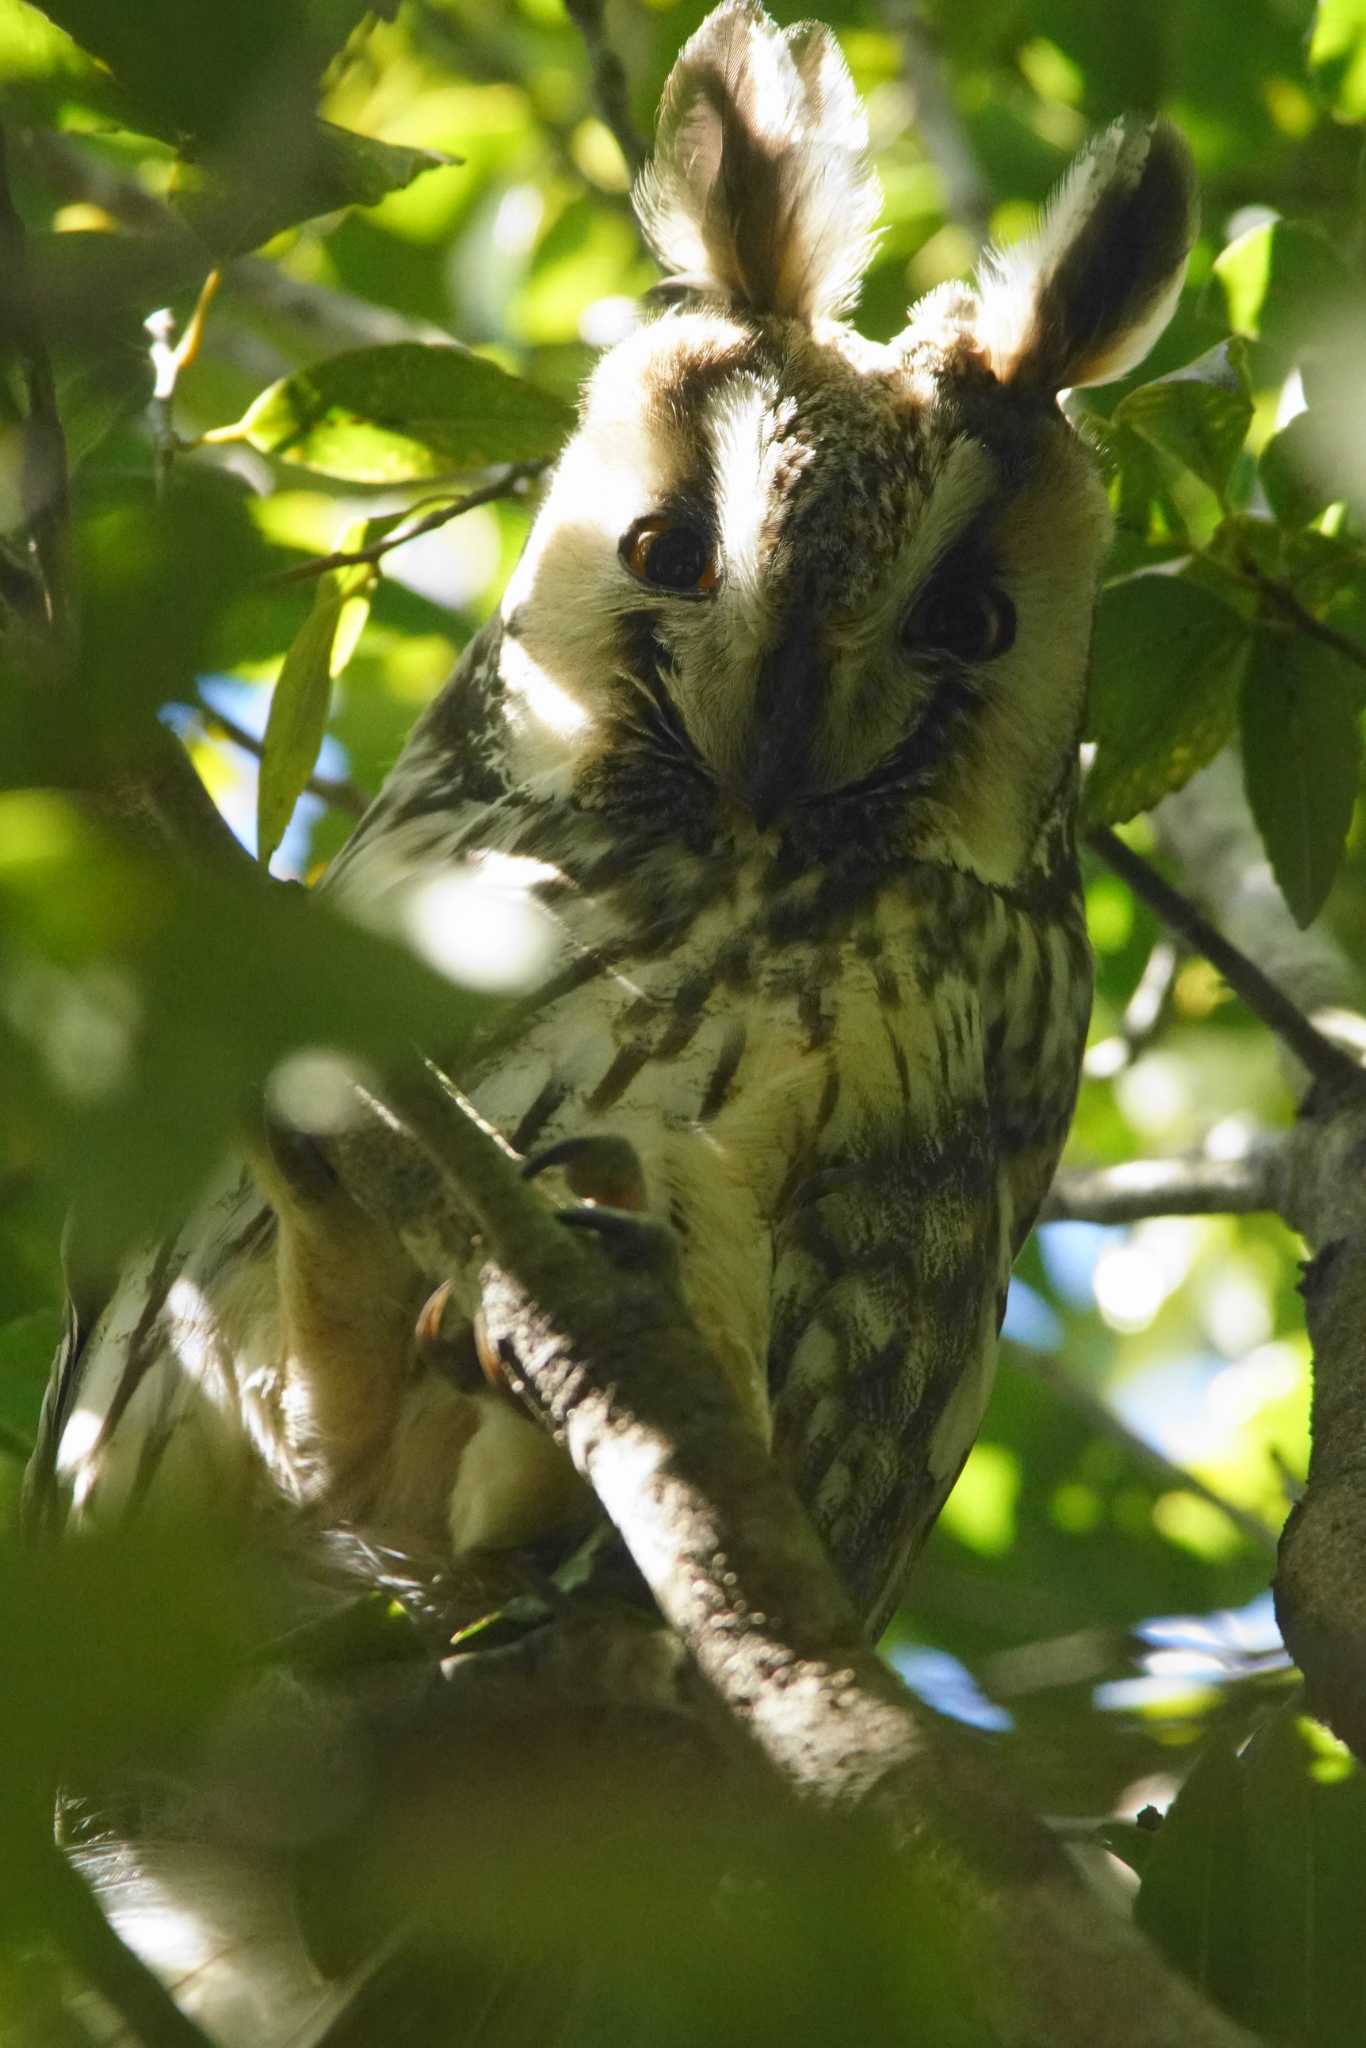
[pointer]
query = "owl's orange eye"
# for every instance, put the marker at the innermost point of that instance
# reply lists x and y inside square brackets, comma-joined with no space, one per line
[672,557]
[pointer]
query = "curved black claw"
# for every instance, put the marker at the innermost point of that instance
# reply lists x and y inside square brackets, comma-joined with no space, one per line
[635,1243]
[600,1169]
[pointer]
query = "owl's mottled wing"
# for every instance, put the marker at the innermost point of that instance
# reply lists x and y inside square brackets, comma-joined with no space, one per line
[890,1270]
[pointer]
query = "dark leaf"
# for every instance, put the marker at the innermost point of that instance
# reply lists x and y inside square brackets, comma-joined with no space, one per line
[1301,762]
[1199,415]
[322,169]
[1168,665]
[1191,1897]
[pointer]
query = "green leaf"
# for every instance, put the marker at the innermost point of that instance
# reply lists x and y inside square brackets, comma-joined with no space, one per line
[402,413]
[1199,414]
[1191,1897]
[202,68]
[303,691]
[148,1002]
[1306,1810]
[1167,668]
[1337,55]
[1301,761]
[1318,458]
[237,210]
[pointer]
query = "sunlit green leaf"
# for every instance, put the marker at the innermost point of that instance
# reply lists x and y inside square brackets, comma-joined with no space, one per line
[303,690]
[1337,55]
[1301,762]
[1199,414]
[1168,665]
[402,412]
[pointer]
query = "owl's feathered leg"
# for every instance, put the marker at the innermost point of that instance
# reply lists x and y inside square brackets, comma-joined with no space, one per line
[349,1296]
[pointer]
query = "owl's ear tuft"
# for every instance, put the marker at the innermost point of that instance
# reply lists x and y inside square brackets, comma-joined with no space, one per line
[1084,300]
[760,190]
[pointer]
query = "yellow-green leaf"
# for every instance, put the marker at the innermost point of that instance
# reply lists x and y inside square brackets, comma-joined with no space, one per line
[303,691]
[402,413]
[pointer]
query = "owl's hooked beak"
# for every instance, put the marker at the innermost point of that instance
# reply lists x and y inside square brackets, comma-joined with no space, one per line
[792,688]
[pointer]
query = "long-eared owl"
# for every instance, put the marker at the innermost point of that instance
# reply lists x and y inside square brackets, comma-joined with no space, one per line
[777,730]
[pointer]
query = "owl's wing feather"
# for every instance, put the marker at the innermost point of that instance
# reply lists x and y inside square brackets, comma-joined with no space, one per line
[890,1267]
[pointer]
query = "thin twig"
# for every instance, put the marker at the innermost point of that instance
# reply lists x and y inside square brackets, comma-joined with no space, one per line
[169,358]
[506,484]
[610,93]
[342,794]
[1325,1062]
[46,502]
[1195,1185]
[1143,1015]
[1292,607]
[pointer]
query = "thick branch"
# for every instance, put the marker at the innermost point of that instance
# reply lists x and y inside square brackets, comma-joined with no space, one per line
[1193,1185]
[608,1353]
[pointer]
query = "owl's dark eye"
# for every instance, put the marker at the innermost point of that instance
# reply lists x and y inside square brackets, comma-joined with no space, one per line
[672,557]
[972,622]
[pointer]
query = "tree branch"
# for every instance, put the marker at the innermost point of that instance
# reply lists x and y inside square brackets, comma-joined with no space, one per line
[1191,1185]
[506,483]
[601,1343]
[1325,1062]
[609,80]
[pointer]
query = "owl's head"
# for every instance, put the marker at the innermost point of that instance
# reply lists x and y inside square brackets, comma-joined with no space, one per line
[810,579]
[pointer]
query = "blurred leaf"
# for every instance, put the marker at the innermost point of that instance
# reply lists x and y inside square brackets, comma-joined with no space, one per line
[1200,414]
[303,690]
[401,413]
[1191,1898]
[321,169]
[1316,459]
[1337,55]
[199,68]
[1280,283]
[147,1004]
[1301,762]
[1167,668]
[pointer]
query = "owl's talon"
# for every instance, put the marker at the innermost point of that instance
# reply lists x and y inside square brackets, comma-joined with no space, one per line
[601,1169]
[631,1241]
